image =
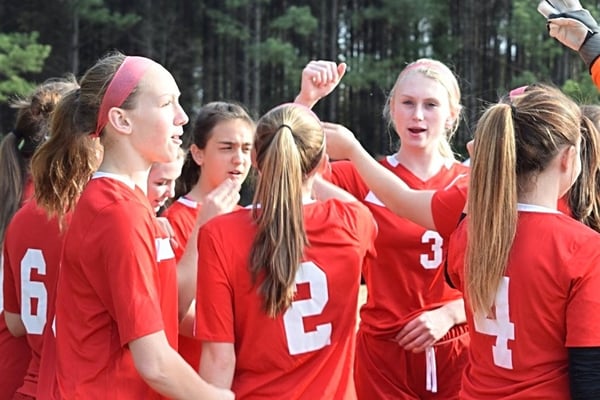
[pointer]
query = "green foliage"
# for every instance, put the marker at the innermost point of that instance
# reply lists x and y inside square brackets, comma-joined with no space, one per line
[368,71]
[276,51]
[253,51]
[95,11]
[525,78]
[298,20]
[227,26]
[582,89]
[20,54]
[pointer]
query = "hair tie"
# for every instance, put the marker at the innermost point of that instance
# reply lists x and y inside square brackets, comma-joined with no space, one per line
[285,126]
[20,142]
[124,81]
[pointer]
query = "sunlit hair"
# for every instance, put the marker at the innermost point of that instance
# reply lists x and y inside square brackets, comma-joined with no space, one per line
[209,116]
[444,76]
[30,131]
[514,142]
[289,146]
[65,163]
[584,195]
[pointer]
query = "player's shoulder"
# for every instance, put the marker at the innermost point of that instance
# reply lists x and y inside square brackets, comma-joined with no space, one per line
[352,215]
[180,205]
[565,237]
[455,172]
[344,174]
[342,166]
[235,221]
[112,197]
[30,214]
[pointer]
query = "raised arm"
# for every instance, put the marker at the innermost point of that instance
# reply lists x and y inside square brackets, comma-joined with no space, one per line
[391,190]
[319,78]
[221,200]
[574,26]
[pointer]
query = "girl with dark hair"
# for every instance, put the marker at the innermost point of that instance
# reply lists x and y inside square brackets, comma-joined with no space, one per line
[21,353]
[221,141]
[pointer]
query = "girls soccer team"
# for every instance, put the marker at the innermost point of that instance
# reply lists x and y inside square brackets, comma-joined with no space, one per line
[276,283]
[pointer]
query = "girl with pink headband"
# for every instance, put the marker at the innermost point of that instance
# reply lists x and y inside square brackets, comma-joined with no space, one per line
[116,310]
[412,338]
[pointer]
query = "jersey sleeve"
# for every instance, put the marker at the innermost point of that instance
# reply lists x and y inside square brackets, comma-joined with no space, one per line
[447,206]
[583,306]
[367,227]
[345,175]
[368,232]
[179,235]
[127,281]
[455,258]
[10,299]
[214,291]
[595,72]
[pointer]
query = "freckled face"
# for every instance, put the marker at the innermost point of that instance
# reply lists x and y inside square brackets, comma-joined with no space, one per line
[157,116]
[420,110]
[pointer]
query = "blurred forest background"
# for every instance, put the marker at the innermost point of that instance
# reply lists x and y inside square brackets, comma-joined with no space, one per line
[252,51]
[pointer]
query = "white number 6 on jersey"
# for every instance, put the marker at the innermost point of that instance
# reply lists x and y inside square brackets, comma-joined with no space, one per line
[299,341]
[33,259]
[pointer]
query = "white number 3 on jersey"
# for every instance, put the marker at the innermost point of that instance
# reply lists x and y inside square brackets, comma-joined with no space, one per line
[299,341]
[435,258]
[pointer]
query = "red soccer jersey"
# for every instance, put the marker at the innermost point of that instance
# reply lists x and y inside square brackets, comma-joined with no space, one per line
[448,204]
[112,290]
[403,279]
[31,260]
[306,352]
[182,216]
[14,359]
[547,301]
[47,388]
[563,206]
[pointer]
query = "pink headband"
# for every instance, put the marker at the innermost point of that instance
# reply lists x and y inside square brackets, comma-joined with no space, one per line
[517,92]
[124,81]
[438,67]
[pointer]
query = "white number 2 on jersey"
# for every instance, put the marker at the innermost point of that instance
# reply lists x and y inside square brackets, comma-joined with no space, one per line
[501,327]
[299,341]
[33,259]
[432,261]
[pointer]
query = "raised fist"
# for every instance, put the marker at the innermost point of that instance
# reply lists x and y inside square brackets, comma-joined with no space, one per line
[573,26]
